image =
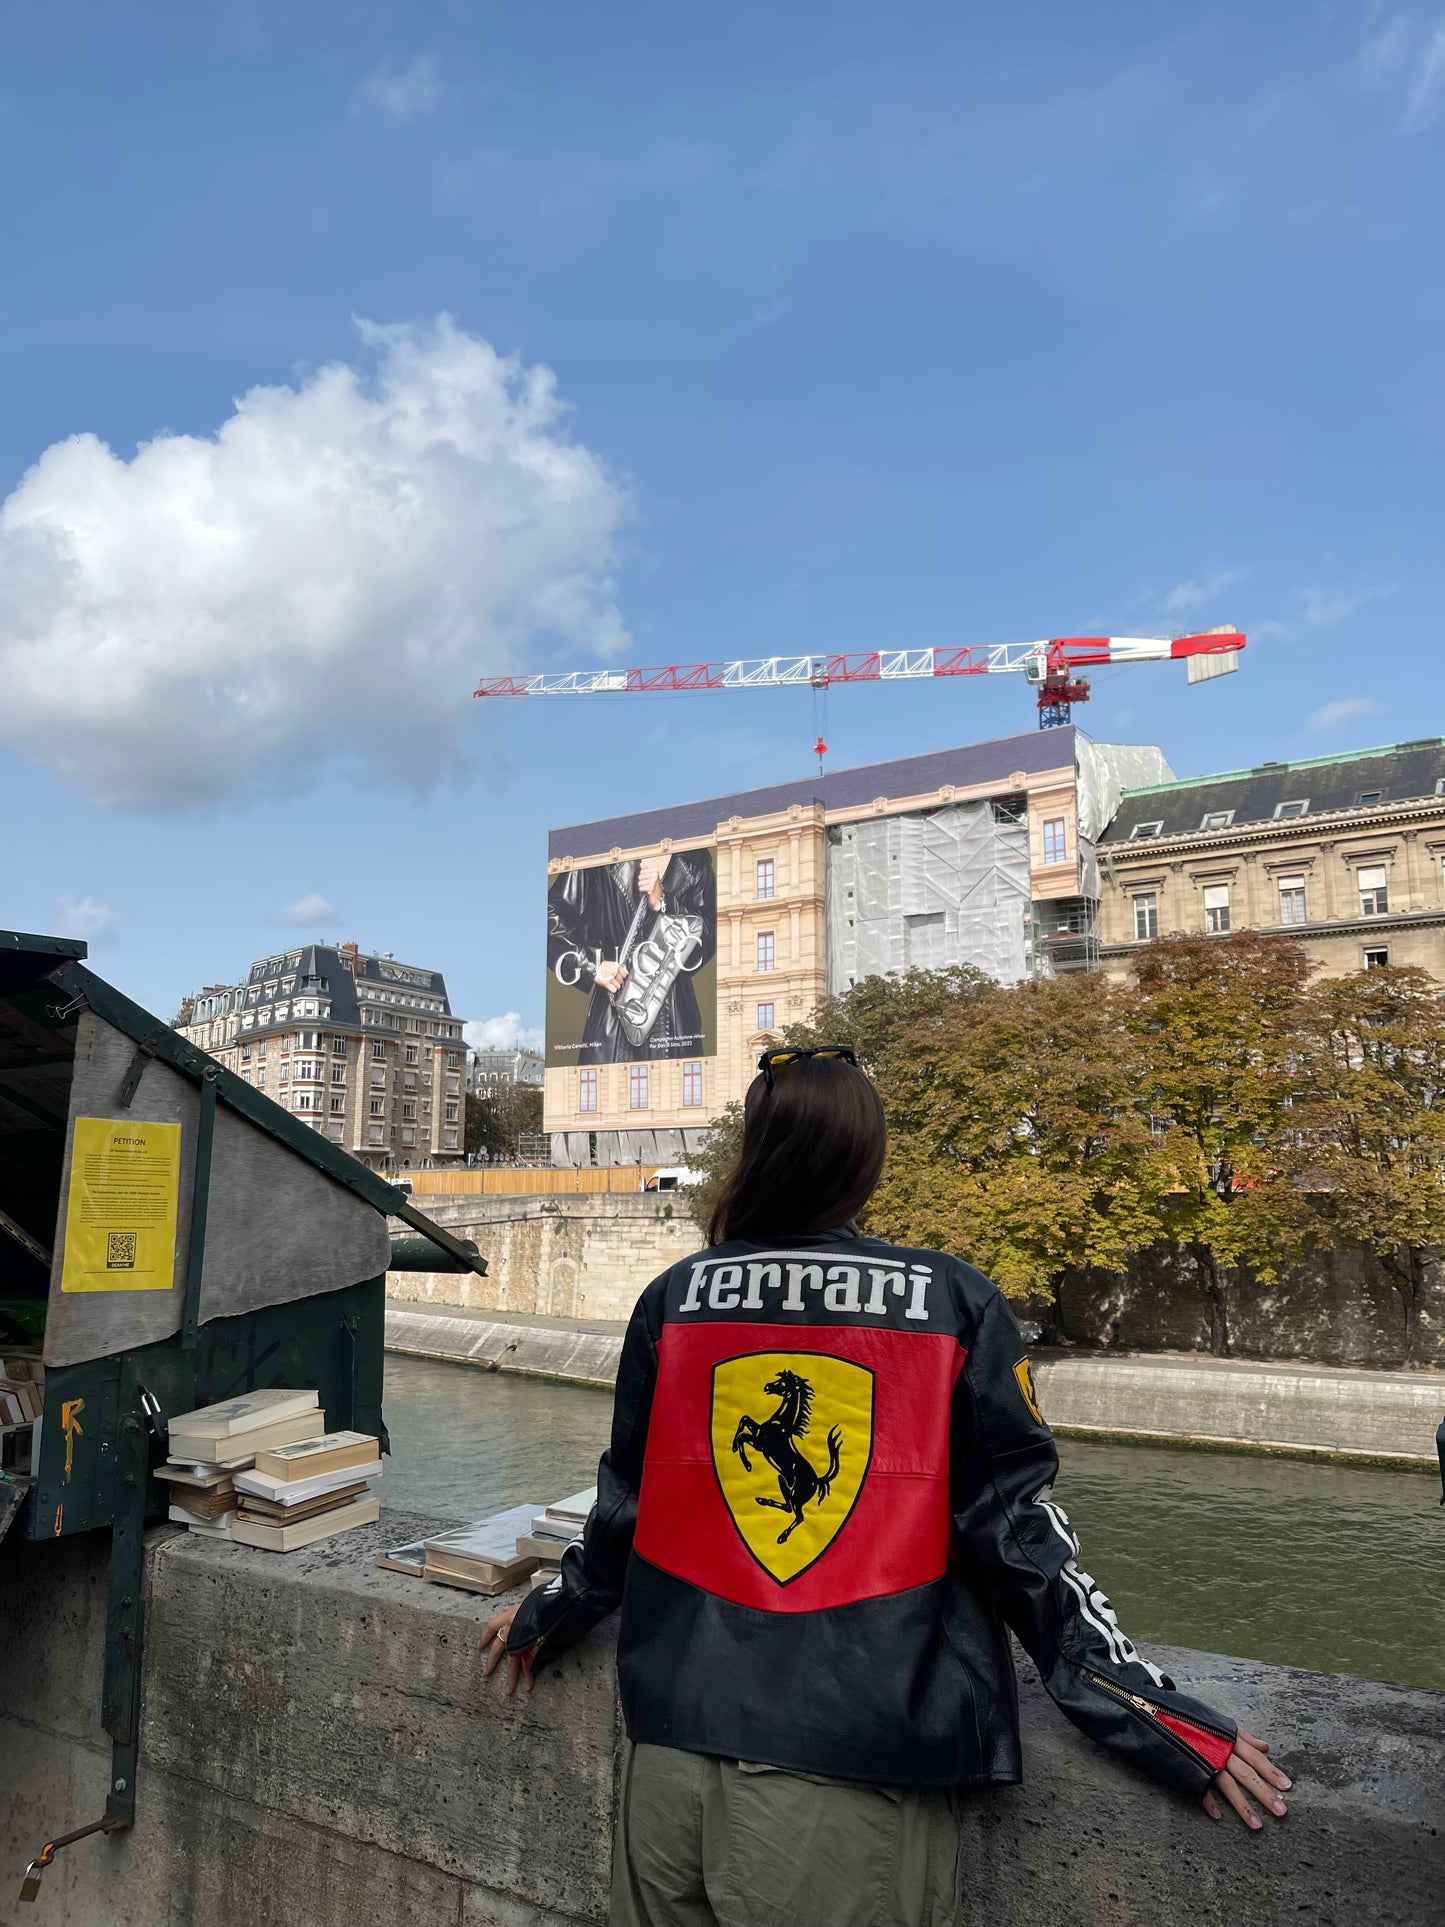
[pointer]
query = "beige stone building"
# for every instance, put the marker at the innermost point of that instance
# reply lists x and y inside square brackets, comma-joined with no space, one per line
[983,855]
[360,1047]
[1346,853]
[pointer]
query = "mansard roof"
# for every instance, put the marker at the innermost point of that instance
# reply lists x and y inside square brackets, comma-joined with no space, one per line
[1324,784]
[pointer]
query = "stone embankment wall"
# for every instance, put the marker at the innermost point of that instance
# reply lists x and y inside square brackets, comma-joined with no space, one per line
[588,1258]
[556,1257]
[319,1749]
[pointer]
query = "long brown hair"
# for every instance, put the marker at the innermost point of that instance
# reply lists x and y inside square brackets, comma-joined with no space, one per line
[812,1153]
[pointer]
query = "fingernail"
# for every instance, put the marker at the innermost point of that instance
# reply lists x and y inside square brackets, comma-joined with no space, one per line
[1280,1807]
[1285,1781]
[1255,1821]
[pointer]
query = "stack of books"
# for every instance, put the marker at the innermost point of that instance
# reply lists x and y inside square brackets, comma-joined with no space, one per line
[263,1470]
[551,1531]
[297,1494]
[479,1558]
[22,1400]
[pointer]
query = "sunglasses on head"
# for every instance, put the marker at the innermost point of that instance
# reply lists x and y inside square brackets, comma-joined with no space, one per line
[773,1061]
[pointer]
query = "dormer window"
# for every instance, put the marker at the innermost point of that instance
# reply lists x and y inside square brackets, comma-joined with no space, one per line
[1367,798]
[1146,829]
[1296,808]
[1216,819]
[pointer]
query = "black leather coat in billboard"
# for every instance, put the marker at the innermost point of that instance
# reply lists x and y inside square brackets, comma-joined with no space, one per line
[828,1496]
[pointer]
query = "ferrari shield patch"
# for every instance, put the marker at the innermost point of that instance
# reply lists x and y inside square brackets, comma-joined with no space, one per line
[792,1440]
[1025,1379]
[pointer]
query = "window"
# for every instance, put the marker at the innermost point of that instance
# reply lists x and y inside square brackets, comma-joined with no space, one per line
[765,1017]
[338,1046]
[261,1078]
[451,1113]
[765,950]
[1216,819]
[338,1106]
[304,1100]
[378,1077]
[377,1107]
[1147,829]
[307,1070]
[285,1072]
[411,1053]
[587,1090]
[1146,916]
[449,1140]
[1054,846]
[692,1083]
[1216,908]
[1296,808]
[373,1134]
[408,1110]
[408,1134]
[1368,797]
[1291,899]
[1376,957]
[338,1073]
[637,1087]
[378,1050]
[765,879]
[1374,891]
[245,1053]
[261,1050]
[408,1081]
[307,1040]
[335,1133]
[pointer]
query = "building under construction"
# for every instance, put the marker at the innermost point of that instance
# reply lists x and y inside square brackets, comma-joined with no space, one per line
[680,941]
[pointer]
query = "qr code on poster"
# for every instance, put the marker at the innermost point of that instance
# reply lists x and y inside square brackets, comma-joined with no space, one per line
[120,1251]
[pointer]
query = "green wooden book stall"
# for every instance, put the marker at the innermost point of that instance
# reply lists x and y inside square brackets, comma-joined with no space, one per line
[238,1250]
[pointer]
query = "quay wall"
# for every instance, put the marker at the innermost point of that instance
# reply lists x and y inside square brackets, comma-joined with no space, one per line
[586,1257]
[1216,1401]
[319,1749]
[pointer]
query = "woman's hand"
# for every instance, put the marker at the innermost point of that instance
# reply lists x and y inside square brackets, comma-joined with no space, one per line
[1248,1771]
[494,1643]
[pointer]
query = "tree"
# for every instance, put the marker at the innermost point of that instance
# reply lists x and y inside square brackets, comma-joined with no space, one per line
[1371,1121]
[1217,1025]
[184,1015]
[1015,1137]
[494,1123]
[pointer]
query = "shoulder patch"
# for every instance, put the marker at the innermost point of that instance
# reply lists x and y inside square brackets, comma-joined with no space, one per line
[1025,1379]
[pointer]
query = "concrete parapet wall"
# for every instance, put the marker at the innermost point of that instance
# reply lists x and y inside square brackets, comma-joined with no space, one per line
[1234,1401]
[554,1257]
[319,1750]
[545,1350]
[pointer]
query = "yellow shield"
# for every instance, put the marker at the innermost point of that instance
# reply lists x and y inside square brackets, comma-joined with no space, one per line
[792,1438]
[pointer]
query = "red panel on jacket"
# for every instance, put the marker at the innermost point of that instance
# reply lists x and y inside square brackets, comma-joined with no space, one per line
[830,1438]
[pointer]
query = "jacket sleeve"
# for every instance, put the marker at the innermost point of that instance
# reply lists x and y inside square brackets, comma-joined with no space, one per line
[1017,1546]
[553,1617]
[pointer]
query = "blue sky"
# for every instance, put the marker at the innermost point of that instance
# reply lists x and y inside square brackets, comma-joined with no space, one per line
[866,326]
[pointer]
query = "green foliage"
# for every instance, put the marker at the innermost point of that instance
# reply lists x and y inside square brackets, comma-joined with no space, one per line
[1221,1102]
[186,1012]
[493,1124]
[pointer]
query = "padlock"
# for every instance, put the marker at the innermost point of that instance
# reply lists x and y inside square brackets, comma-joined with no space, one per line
[30,1882]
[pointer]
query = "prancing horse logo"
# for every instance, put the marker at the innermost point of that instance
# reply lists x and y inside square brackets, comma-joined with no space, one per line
[776,1440]
[762,1465]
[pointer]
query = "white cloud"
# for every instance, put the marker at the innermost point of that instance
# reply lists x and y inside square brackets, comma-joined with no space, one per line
[322,577]
[1325,609]
[502,1033]
[1406,56]
[402,95]
[84,917]
[1331,715]
[313,909]
[1185,596]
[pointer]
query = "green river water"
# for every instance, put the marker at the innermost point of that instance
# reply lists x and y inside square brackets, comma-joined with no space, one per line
[1332,1568]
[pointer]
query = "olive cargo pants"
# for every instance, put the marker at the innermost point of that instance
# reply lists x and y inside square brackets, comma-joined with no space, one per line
[703,1842]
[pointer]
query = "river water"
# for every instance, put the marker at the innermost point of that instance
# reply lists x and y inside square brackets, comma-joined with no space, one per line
[1331,1568]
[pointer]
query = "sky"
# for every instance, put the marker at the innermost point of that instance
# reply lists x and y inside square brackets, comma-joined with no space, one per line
[350,352]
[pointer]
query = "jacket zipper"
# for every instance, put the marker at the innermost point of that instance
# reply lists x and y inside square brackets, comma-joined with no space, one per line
[1153,1712]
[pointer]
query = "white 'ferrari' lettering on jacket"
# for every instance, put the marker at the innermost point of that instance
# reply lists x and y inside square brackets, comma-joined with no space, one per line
[796,1283]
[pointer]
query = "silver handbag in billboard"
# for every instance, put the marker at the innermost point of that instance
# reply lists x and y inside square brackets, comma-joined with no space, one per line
[653,967]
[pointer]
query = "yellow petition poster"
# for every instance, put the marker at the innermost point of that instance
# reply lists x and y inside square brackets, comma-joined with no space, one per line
[120,1217]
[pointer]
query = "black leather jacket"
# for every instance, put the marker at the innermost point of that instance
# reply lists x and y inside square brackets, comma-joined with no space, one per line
[827,1496]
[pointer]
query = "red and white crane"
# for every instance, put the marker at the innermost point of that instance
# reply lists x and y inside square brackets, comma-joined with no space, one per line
[1051,665]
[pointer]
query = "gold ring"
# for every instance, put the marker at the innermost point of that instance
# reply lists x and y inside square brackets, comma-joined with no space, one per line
[501,1639]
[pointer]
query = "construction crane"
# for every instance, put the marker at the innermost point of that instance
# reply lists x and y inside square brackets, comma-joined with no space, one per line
[1052,666]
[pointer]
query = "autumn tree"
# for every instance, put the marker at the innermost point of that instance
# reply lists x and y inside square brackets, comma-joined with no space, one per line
[1370,1117]
[1216,1022]
[494,1122]
[1024,1149]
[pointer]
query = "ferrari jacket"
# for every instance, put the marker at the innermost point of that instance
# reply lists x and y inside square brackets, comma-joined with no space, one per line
[828,1495]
